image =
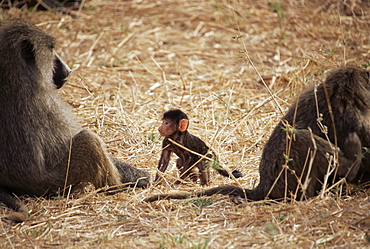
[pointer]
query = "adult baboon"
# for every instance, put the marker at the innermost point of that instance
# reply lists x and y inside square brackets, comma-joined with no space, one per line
[42,146]
[343,100]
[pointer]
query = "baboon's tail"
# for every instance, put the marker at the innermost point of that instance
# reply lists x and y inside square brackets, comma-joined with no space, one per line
[236,173]
[223,190]
[21,211]
[218,167]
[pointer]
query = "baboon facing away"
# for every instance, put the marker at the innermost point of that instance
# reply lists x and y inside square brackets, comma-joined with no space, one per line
[345,94]
[175,127]
[42,146]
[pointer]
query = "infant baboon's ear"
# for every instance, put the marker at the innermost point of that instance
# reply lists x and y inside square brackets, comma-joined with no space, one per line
[183,125]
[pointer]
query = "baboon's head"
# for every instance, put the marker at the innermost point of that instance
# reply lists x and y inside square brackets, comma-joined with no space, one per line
[27,56]
[352,80]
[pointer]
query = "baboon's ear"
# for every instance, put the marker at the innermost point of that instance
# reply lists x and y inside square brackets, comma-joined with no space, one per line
[183,125]
[27,52]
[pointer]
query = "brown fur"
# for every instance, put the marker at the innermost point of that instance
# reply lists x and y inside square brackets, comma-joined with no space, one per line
[42,5]
[41,142]
[187,161]
[347,92]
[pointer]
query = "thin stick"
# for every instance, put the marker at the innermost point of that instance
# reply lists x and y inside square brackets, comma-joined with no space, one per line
[69,163]
[89,53]
[246,55]
[183,83]
[313,155]
[193,152]
[334,129]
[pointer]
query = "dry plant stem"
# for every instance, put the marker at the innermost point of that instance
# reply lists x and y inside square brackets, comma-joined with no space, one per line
[289,140]
[88,61]
[343,40]
[331,114]
[80,7]
[216,135]
[164,79]
[191,167]
[336,157]
[146,68]
[312,158]
[242,120]
[322,128]
[183,83]
[193,152]
[352,166]
[246,55]
[84,86]
[40,2]
[65,204]
[328,173]
[6,234]
[343,180]
[68,164]
[133,91]
[300,184]
[123,42]
[263,81]
[277,178]
[335,149]
[30,241]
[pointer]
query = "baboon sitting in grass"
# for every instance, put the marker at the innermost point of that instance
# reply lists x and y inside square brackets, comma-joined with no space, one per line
[43,149]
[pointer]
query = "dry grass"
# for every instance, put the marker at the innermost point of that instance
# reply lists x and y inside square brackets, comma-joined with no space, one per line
[133,60]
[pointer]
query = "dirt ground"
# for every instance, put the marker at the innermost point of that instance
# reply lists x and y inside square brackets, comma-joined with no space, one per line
[215,60]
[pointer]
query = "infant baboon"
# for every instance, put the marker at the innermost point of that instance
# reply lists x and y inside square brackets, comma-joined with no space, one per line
[41,142]
[345,93]
[175,126]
